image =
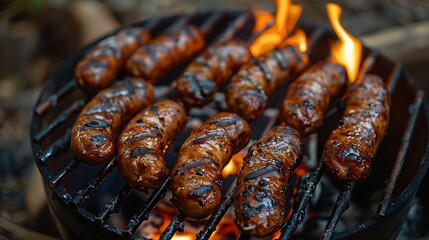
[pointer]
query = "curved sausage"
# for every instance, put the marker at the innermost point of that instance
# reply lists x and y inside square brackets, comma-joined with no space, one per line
[248,90]
[100,67]
[153,60]
[352,146]
[93,134]
[308,97]
[202,78]
[144,140]
[196,176]
[260,199]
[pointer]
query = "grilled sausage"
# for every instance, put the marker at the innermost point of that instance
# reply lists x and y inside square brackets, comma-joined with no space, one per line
[260,199]
[196,176]
[97,124]
[144,140]
[247,92]
[100,67]
[309,96]
[153,60]
[352,146]
[201,79]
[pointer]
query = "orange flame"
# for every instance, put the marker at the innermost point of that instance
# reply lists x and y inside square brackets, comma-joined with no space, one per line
[234,166]
[286,17]
[262,19]
[183,236]
[348,51]
[298,39]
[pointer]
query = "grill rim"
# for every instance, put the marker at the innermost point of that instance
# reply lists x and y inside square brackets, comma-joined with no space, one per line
[57,192]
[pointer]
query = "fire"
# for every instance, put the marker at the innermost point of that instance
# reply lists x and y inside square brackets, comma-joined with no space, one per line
[348,51]
[234,166]
[286,17]
[262,19]
[298,39]
[183,236]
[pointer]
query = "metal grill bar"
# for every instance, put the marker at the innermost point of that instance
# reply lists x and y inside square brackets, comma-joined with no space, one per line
[215,218]
[298,213]
[65,172]
[175,225]
[53,99]
[400,159]
[84,193]
[341,206]
[143,214]
[114,204]
[61,145]
[394,77]
[61,118]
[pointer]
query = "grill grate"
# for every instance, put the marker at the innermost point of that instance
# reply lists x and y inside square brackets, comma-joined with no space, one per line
[45,138]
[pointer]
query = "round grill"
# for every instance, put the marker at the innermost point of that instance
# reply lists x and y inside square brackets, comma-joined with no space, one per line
[83,198]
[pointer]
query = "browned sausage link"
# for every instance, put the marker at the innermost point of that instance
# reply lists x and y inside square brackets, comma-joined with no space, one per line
[248,90]
[352,146]
[197,86]
[260,199]
[309,96]
[196,176]
[144,140]
[99,68]
[93,134]
[153,60]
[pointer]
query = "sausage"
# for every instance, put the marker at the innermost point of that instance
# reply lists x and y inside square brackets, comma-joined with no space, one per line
[144,140]
[93,134]
[308,97]
[196,176]
[260,199]
[202,78]
[100,67]
[153,60]
[248,90]
[352,146]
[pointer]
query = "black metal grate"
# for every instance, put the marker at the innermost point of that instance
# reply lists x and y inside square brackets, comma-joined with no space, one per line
[55,111]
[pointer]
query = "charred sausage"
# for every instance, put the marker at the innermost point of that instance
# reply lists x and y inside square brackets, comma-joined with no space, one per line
[201,79]
[153,60]
[248,90]
[100,67]
[144,140]
[93,134]
[309,96]
[196,176]
[352,146]
[260,199]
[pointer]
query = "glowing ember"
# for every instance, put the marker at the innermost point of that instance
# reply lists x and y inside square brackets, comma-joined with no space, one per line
[286,18]
[348,51]
[297,39]
[234,166]
[183,236]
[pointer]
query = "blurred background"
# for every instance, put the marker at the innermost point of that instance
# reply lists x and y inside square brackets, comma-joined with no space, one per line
[37,36]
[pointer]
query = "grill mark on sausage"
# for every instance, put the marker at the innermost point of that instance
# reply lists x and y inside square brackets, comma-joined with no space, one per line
[142,135]
[141,151]
[273,169]
[200,191]
[267,73]
[226,121]
[106,106]
[280,59]
[99,139]
[95,124]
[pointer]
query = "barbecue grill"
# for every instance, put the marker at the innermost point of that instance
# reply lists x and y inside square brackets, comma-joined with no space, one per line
[73,187]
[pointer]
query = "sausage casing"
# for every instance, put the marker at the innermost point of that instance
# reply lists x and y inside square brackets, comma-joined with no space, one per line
[144,140]
[153,60]
[100,67]
[260,199]
[308,97]
[196,176]
[352,146]
[248,90]
[201,79]
[93,134]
